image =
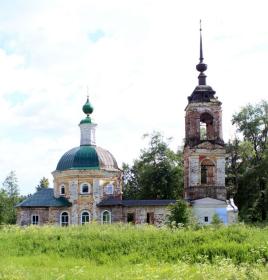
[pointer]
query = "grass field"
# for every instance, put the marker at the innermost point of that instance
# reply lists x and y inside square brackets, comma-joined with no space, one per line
[127,252]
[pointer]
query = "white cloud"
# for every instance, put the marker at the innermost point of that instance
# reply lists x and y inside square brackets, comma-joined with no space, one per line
[140,71]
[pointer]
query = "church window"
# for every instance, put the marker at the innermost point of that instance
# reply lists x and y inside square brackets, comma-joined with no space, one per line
[206,127]
[85,217]
[106,217]
[109,189]
[64,219]
[203,174]
[85,188]
[207,172]
[35,219]
[131,218]
[62,190]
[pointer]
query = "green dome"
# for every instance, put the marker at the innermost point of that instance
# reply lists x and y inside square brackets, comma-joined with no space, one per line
[87,157]
[88,108]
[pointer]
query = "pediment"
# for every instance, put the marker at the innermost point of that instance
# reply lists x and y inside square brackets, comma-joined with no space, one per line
[208,201]
[208,145]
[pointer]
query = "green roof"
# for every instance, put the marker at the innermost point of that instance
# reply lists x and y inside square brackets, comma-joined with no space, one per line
[86,120]
[82,157]
[44,198]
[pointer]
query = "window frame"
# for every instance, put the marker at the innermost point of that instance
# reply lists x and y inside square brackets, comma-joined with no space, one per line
[81,188]
[63,224]
[32,220]
[110,217]
[81,217]
[110,185]
[62,187]
[207,169]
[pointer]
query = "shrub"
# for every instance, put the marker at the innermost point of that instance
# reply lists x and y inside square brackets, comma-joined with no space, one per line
[179,213]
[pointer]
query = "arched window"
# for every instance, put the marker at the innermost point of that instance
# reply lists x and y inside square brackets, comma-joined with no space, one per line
[206,127]
[109,189]
[106,217]
[85,188]
[64,219]
[85,217]
[207,172]
[62,190]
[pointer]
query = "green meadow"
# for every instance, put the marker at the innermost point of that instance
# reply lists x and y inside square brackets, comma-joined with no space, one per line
[129,252]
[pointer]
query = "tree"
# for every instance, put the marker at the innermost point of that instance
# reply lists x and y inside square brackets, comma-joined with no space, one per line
[252,122]
[157,174]
[9,198]
[216,220]
[43,184]
[250,161]
[11,185]
[3,201]
[179,213]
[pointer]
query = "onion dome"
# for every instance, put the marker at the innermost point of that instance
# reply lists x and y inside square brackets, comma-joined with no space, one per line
[87,109]
[87,156]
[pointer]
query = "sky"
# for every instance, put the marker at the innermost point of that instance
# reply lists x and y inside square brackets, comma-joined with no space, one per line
[137,59]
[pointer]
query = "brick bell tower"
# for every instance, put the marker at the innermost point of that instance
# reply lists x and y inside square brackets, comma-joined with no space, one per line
[204,152]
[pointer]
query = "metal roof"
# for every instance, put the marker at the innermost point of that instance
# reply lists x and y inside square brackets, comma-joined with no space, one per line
[44,198]
[87,157]
[132,203]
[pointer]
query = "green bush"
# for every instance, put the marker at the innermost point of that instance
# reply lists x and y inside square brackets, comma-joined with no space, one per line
[179,214]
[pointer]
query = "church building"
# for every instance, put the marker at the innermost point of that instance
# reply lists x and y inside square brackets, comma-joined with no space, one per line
[88,183]
[88,187]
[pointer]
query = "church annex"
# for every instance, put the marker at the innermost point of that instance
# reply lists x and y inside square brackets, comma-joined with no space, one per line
[88,182]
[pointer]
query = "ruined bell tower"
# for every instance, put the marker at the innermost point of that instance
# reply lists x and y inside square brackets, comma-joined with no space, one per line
[204,152]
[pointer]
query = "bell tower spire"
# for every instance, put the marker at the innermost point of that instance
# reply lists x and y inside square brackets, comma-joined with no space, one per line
[201,67]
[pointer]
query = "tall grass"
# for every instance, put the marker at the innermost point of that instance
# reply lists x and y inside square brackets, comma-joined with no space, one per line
[118,250]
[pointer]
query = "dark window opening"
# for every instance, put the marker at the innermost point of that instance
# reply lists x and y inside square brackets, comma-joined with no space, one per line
[150,218]
[131,218]
[85,218]
[62,190]
[35,220]
[206,219]
[85,188]
[203,174]
[64,219]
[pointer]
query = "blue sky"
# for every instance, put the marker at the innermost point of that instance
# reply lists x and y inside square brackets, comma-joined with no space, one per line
[138,60]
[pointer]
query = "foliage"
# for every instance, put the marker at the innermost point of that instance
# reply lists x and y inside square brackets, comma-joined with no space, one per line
[157,174]
[9,197]
[179,213]
[11,184]
[44,184]
[247,163]
[216,220]
[128,252]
